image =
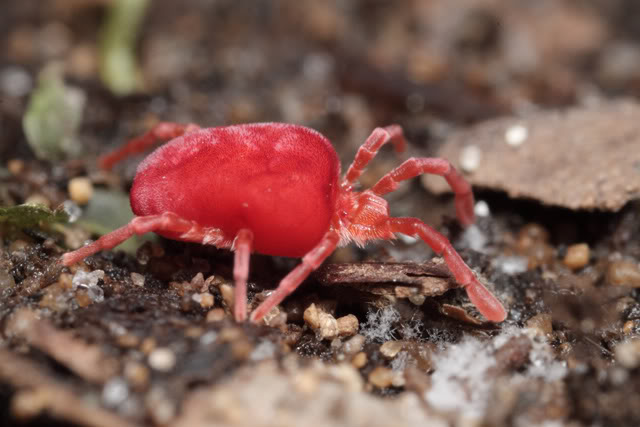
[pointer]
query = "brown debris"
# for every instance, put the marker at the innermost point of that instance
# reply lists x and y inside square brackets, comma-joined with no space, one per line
[323,323]
[459,313]
[581,158]
[623,273]
[86,360]
[381,377]
[55,397]
[401,279]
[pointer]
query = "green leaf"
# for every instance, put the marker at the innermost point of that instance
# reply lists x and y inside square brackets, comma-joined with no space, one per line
[29,215]
[118,64]
[53,116]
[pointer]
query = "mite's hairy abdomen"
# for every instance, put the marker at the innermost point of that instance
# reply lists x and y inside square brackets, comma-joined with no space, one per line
[280,181]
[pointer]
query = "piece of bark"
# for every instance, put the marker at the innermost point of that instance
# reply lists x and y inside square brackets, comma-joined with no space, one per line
[460,314]
[400,279]
[581,158]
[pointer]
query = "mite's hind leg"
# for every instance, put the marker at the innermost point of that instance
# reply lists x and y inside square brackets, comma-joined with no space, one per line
[242,246]
[167,222]
[163,131]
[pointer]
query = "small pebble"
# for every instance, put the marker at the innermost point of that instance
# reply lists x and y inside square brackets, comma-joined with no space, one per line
[137,279]
[148,345]
[629,327]
[275,317]
[347,325]
[481,209]
[624,273]
[227,293]
[530,234]
[208,338]
[381,377]
[359,360]
[577,256]
[115,392]
[193,331]
[82,61]
[241,349]
[80,190]
[15,81]
[89,282]
[516,135]
[541,324]
[470,158]
[628,353]
[354,344]
[160,407]
[15,166]
[83,299]
[398,379]
[128,340]
[323,323]
[215,315]
[231,334]
[162,359]
[205,299]
[417,299]
[391,348]
[137,374]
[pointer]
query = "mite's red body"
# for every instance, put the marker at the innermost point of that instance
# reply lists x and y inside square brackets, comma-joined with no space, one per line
[279,181]
[274,188]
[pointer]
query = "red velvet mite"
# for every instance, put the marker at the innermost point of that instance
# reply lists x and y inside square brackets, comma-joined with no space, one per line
[275,189]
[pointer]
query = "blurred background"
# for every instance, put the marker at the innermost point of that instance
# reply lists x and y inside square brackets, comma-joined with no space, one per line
[342,67]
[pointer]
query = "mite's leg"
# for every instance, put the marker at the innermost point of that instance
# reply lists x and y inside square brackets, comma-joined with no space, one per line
[369,149]
[291,281]
[482,298]
[161,131]
[417,166]
[167,222]
[242,246]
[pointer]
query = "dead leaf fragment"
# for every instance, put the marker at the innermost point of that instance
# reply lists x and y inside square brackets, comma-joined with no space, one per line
[581,158]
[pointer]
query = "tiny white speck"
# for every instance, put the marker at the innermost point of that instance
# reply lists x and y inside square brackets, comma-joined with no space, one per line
[470,158]
[115,392]
[481,208]
[516,135]
[245,205]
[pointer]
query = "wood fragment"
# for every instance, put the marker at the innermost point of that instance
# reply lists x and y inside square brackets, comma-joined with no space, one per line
[460,314]
[399,279]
